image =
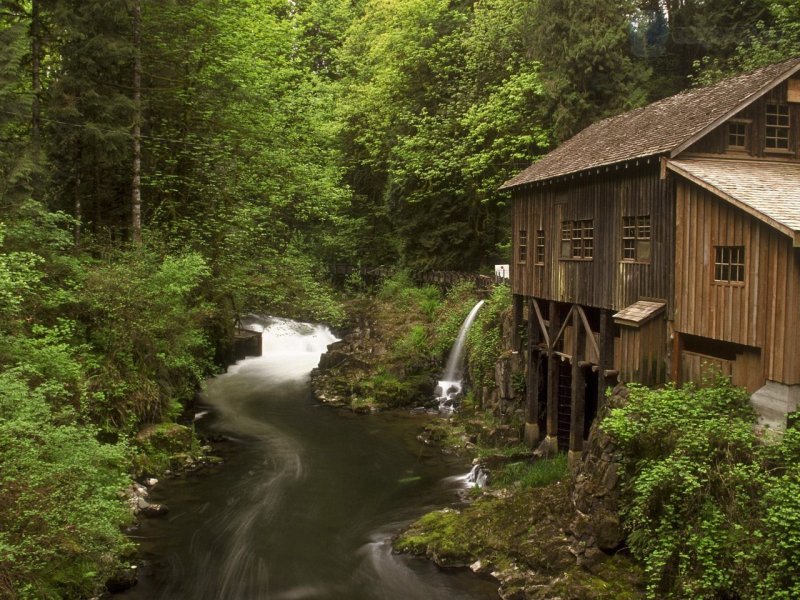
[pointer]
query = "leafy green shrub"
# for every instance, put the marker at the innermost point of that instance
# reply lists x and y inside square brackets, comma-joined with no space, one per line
[61,514]
[387,390]
[401,290]
[148,324]
[415,346]
[484,339]
[711,511]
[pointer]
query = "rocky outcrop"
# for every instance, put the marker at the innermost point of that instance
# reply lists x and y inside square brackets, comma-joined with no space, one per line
[595,493]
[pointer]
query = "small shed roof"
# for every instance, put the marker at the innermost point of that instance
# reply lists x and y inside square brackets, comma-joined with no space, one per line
[664,127]
[639,312]
[769,191]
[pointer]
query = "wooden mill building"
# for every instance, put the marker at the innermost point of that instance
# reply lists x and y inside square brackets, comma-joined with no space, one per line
[663,244]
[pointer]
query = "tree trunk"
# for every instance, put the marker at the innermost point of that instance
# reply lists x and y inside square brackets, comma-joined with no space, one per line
[78,205]
[36,51]
[136,187]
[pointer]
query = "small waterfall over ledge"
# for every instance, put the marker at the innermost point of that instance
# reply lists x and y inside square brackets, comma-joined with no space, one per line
[449,387]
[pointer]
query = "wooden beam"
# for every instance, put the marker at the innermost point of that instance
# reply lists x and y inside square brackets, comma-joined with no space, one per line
[578,412]
[532,433]
[589,335]
[606,353]
[677,350]
[563,327]
[516,341]
[552,377]
[540,319]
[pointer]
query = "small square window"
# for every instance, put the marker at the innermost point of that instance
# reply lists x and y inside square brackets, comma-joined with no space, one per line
[577,239]
[737,135]
[636,238]
[729,264]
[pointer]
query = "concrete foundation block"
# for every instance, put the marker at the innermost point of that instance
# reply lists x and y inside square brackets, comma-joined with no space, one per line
[532,434]
[773,403]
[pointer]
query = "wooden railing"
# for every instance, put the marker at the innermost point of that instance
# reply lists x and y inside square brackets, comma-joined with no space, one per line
[440,278]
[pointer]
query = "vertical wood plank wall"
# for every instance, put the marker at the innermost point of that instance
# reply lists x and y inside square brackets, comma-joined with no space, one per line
[606,281]
[764,311]
[643,352]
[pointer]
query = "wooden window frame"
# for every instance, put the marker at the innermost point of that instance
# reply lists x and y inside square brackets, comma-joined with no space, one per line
[745,135]
[577,240]
[729,266]
[539,248]
[774,109]
[637,241]
[522,246]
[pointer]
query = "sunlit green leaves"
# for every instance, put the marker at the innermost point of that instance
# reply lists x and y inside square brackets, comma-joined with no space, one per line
[710,510]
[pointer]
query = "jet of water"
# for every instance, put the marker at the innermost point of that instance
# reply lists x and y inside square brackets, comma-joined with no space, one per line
[452,380]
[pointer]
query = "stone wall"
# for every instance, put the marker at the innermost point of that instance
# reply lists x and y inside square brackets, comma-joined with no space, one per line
[505,398]
[595,492]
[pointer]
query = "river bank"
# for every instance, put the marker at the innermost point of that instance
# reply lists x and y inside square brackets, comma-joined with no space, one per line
[523,528]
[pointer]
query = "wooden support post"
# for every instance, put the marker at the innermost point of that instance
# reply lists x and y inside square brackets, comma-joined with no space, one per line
[606,361]
[677,350]
[532,433]
[578,413]
[516,342]
[549,446]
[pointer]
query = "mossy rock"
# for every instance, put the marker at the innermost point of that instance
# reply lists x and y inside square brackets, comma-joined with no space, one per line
[169,438]
[438,536]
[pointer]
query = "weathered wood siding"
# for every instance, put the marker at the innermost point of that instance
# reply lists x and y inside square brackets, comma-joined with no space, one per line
[763,311]
[746,370]
[606,281]
[716,141]
[642,356]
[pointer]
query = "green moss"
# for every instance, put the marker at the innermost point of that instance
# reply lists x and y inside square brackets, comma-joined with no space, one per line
[163,446]
[533,473]
[438,533]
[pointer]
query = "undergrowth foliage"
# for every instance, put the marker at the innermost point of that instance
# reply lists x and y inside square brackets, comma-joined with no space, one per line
[484,339]
[711,510]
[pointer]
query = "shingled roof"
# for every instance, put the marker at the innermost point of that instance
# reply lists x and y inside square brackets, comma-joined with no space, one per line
[769,191]
[662,127]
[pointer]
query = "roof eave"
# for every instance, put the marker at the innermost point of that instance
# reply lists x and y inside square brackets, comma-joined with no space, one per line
[646,160]
[794,235]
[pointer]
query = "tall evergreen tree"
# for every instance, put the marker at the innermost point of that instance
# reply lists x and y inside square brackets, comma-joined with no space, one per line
[590,71]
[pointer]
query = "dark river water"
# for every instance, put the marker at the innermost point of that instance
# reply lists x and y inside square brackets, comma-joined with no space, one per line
[308,499]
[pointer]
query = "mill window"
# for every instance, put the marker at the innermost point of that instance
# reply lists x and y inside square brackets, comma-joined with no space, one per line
[523,245]
[777,133]
[729,264]
[577,239]
[737,135]
[636,238]
[540,247]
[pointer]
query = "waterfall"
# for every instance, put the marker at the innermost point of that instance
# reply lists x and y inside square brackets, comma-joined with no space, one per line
[289,349]
[451,383]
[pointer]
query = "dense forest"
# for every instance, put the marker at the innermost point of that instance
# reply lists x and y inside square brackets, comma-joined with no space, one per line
[168,164]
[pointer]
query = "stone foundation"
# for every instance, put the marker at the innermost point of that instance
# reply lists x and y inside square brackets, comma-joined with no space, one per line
[595,492]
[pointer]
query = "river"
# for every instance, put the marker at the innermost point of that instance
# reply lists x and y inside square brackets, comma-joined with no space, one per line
[308,499]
